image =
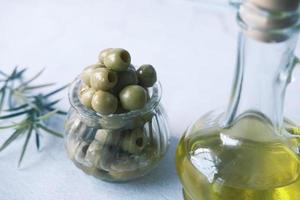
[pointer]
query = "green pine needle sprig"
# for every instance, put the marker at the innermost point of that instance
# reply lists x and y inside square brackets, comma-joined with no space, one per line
[21,101]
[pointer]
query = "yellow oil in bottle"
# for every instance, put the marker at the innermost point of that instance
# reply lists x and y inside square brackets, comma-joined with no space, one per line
[245,162]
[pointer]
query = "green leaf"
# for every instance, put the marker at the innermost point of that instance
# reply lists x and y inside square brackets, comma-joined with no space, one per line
[13,73]
[31,109]
[20,73]
[52,103]
[56,91]
[10,99]
[17,108]
[4,74]
[57,134]
[16,74]
[61,112]
[25,145]
[11,126]
[47,115]
[2,99]
[38,86]
[37,138]
[15,114]
[33,78]
[13,136]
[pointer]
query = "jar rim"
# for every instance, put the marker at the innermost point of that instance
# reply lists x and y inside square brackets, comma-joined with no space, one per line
[74,88]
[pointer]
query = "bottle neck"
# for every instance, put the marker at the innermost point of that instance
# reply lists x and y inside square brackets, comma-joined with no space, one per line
[262,73]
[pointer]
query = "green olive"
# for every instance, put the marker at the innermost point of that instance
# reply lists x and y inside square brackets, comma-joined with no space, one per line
[146,75]
[112,123]
[126,78]
[83,87]
[72,145]
[123,164]
[133,97]
[81,166]
[87,72]
[103,79]
[86,96]
[81,151]
[124,175]
[135,141]
[103,54]
[104,146]
[94,153]
[104,102]
[103,136]
[100,174]
[117,59]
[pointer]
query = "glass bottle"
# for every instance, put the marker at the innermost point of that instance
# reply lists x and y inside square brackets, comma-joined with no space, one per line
[246,152]
[116,147]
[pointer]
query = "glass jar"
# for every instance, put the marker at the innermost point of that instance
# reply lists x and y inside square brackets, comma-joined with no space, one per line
[249,152]
[116,147]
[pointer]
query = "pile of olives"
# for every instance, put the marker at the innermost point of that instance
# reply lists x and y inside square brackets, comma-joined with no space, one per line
[109,151]
[113,85]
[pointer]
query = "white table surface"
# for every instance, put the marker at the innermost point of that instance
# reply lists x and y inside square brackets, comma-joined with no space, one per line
[191,45]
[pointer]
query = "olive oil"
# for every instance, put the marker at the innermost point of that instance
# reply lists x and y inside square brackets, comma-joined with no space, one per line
[247,153]
[244,162]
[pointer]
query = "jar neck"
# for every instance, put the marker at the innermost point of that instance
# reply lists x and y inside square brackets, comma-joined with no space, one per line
[262,73]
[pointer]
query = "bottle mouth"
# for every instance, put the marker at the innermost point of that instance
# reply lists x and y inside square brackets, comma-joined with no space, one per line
[155,93]
[268,25]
